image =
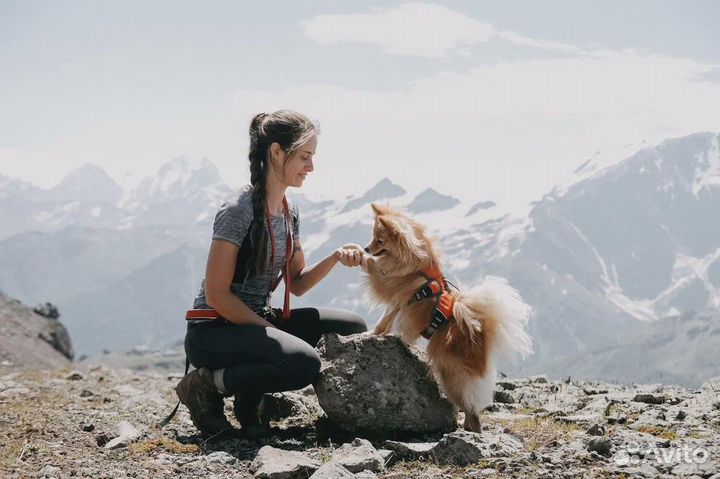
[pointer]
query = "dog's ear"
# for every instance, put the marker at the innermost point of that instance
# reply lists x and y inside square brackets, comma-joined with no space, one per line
[379,210]
[390,226]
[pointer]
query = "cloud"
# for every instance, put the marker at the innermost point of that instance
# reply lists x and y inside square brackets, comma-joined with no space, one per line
[507,132]
[417,29]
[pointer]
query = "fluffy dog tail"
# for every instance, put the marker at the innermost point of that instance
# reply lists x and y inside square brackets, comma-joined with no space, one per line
[501,304]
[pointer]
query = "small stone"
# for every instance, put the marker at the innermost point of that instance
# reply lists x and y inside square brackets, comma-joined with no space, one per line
[50,471]
[332,470]
[601,445]
[596,430]
[102,439]
[461,448]
[358,455]
[75,376]
[47,310]
[86,393]
[87,427]
[389,456]
[592,392]
[220,457]
[649,398]
[126,434]
[620,419]
[507,386]
[503,397]
[541,379]
[681,415]
[411,451]
[272,463]
[365,475]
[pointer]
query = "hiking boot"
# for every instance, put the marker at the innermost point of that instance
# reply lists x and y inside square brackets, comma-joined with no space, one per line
[246,412]
[197,391]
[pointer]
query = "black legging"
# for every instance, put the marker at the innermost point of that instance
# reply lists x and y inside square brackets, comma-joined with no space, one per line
[261,360]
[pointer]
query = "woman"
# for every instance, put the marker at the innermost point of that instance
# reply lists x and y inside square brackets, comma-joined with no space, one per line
[239,345]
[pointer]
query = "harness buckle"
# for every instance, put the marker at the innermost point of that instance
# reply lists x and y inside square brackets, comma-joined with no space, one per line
[428,290]
[437,320]
[267,313]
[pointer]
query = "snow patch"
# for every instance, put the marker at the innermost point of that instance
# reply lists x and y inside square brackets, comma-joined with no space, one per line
[707,172]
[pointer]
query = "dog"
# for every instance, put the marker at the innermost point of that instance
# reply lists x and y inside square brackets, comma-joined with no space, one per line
[481,325]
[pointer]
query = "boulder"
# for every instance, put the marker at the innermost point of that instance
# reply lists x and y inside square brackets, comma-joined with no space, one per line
[378,385]
[31,339]
[288,406]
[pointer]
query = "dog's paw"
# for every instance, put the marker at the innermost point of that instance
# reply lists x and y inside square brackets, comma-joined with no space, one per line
[369,263]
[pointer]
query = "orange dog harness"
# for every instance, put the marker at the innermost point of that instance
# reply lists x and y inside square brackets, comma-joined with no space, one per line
[435,287]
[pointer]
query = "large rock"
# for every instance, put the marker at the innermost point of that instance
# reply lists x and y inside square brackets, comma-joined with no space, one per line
[30,339]
[288,406]
[377,385]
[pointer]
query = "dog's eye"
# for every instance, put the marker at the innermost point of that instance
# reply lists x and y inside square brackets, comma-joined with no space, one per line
[379,241]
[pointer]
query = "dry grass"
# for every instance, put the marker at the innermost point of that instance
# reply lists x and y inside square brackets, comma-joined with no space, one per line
[24,425]
[658,431]
[538,433]
[169,445]
[694,434]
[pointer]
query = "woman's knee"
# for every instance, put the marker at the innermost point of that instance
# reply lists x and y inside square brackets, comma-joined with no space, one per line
[344,321]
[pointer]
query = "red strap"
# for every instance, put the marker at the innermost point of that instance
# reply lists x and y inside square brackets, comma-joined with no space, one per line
[202,314]
[445,304]
[288,251]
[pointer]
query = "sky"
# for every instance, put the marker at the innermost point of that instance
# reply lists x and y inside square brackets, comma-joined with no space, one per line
[484,100]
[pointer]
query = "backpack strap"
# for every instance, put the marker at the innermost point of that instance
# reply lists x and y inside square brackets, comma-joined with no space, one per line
[246,248]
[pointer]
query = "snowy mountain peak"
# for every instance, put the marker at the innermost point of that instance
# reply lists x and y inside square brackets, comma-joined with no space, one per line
[479,206]
[86,172]
[430,200]
[178,177]
[89,183]
[383,190]
[707,170]
[14,186]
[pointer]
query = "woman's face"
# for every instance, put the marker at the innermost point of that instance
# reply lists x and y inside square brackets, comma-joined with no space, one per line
[300,163]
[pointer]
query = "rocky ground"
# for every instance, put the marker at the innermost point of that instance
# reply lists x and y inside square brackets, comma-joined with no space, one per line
[98,422]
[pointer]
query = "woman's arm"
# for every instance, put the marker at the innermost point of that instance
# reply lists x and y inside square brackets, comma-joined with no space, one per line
[305,277]
[218,277]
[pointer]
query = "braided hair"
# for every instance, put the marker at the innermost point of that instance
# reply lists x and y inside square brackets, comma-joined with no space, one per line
[288,129]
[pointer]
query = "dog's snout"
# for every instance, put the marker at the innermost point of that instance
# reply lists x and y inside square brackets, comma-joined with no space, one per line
[367,249]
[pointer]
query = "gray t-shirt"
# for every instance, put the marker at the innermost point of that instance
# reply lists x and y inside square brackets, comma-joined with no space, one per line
[232,223]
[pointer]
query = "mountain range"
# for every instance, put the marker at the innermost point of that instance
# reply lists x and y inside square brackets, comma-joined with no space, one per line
[621,266]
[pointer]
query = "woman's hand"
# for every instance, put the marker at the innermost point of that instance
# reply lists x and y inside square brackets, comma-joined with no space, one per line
[350,254]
